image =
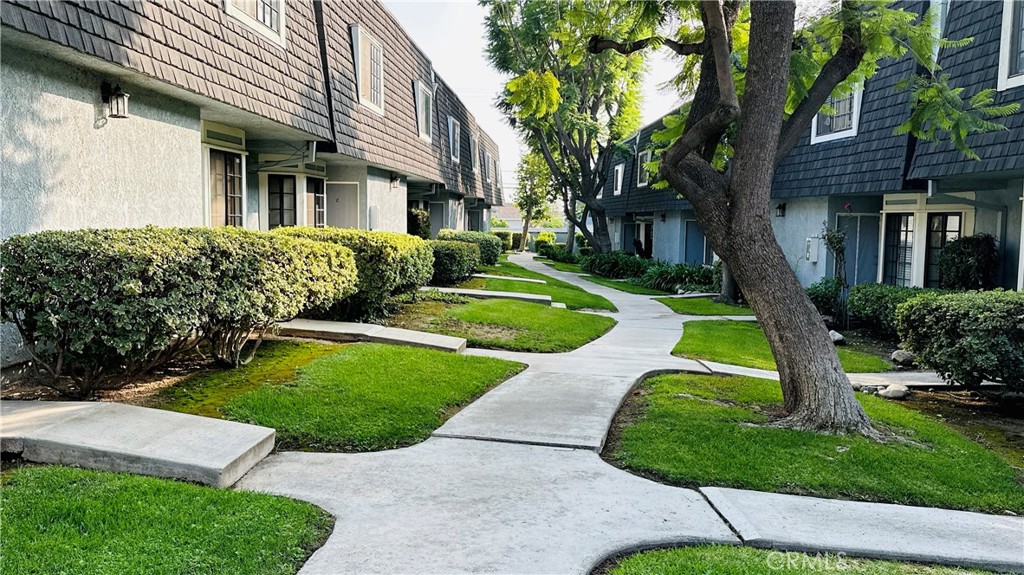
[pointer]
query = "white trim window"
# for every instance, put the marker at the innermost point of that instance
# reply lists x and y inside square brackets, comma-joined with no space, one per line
[619,170]
[474,152]
[265,17]
[1011,46]
[842,124]
[454,139]
[643,177]
[368,55]
[424,110]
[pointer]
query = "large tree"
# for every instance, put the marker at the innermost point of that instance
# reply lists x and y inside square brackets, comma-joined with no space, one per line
[572,105]
[535,190]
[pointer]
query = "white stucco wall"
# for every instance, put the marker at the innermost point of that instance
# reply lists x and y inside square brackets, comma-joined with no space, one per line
[804,219]
[390,201]
[668,237]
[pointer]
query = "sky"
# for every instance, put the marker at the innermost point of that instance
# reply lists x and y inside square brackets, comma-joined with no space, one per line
[452,35]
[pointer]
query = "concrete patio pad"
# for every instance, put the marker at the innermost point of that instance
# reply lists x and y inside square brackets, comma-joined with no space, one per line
[367,332]
[873,530]
[458,506]
[116,437]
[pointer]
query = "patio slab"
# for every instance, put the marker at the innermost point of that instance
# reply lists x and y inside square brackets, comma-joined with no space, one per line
[372,333]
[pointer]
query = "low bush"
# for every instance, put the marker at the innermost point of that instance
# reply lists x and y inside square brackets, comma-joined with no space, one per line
[581,241]
[967,337]
[454,262]
[667,277]
[826,295]
[969,263]
[517,238]
[418,223]
[544,239]
[506,239]
[387,263]
[615,265]
[490,245]
[556,252]
[874,305]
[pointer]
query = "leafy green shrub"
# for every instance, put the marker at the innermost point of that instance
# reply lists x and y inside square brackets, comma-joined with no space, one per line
[967,337]
[543,239]
[265,278]
[506,239]
[615,265]
[825,294]
[556,252]
[454,262]
[387,264]
[969,263]
[517,237]
[490,245]
[666,277]
[874,305]
[418,223]
[581,241]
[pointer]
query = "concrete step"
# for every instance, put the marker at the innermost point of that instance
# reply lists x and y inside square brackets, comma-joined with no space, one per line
[368,332]
[117,437]
[486,294]
[509,278]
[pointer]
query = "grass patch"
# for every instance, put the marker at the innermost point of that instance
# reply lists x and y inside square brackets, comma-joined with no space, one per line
[624,285]
[725,560]
[68,520]
[705,430]
[562,266]
[572,296]
[364,397]
[743,343]
[703,306]
[506,324]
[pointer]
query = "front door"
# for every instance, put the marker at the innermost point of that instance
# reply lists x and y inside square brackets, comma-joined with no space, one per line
[942,229]
[861,247]
[694,250]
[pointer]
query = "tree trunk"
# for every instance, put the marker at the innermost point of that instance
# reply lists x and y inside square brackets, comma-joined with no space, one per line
[525,239]
[602,242]
[570,239]
[729,292]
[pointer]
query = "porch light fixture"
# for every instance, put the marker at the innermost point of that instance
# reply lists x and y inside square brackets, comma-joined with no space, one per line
[780,211]
[662,216]
[115,99]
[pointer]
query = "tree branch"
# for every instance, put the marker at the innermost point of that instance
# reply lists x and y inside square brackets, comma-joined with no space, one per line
[597,44]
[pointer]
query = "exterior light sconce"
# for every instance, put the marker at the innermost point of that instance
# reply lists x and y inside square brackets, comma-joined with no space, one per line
[780,211]
[115,99]
[663,217]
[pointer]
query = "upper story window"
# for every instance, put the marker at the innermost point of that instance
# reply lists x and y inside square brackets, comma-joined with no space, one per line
[642,176]
[454,138]
[424,110]
[474,152]
[267,17]
[487,166]
[1011,46]
[368,54]
[619,170]
[842,124]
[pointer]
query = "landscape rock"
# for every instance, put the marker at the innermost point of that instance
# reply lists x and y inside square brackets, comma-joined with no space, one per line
[903,358]
[837,338]
[895,391]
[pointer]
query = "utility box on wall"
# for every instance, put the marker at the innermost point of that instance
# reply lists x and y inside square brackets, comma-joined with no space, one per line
[811,250]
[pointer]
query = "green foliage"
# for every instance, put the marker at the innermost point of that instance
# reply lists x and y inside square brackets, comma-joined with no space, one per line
[506,239]
[969,262]
[556,252]
[535,189]
[666,277]
[615,265]
[68,520]
[517,238]
[825,294]
[874,305]
[418,223]
[388,264]
[490,245]
[967,337]
[534,95]
[454,262]
[497,222]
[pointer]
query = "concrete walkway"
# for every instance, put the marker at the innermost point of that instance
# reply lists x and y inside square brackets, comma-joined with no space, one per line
[513,483]
[368,332]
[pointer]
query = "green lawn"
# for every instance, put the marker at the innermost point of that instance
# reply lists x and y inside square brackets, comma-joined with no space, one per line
[743,343]
[562,267]
[703,306]
[705,430]
[573,297]
[624,285]
[724,560]
[506,324]
[68,520]
[363,397]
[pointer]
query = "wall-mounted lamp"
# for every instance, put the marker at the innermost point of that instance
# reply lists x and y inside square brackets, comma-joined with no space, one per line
[663,216]
[115,99]
[780,211]
[395,180]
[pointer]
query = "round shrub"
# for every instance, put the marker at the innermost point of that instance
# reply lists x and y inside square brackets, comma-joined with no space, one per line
[874,305]
[517,238]
[968,337]
[387,264]
[490,245]
[826,295]
[506,239]
[969,263]
[454,262]
[418,223]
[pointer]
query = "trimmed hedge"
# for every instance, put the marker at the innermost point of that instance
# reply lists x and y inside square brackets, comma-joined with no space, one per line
[615,265]
[967,337]
[418,223]
[826,295]
[517,237]
[969,262]
[388,264]
[454,262]
[506,239]
[98,307]
[874,305]
[490,245]
[555,252]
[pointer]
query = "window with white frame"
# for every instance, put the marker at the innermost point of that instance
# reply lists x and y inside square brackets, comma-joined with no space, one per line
[316,202]
[618,171]
[225,188]
[642,175]
[424,110]
[842,124]
[264,16]
[1011,46]
[487,166]
[368,54]
[454,138]
[497,172]
[474,152]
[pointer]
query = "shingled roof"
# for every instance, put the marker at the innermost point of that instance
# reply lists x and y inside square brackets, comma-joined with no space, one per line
[636,199]
[975,67]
